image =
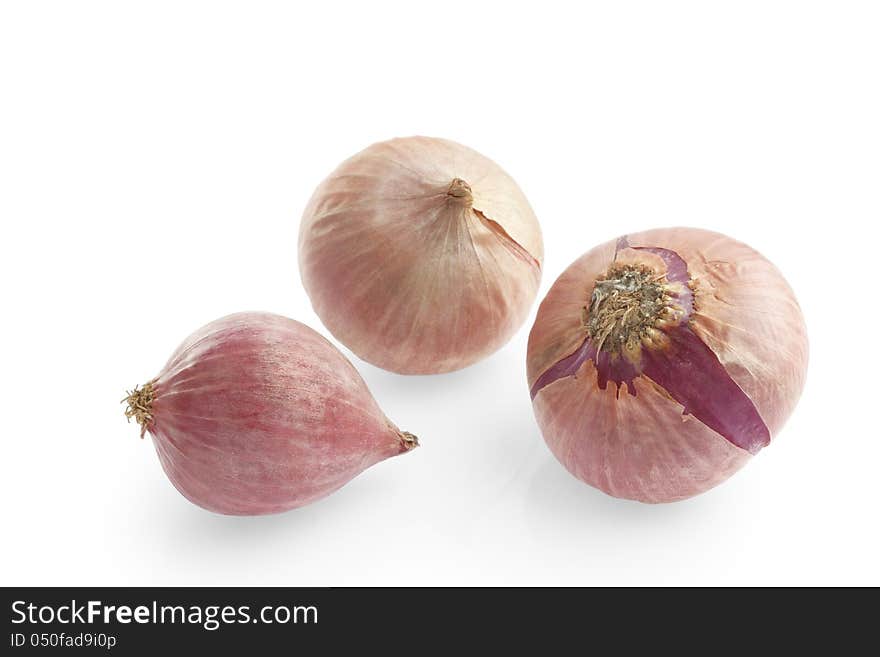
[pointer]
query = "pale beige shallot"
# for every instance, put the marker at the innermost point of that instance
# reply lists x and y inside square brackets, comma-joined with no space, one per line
[420,255]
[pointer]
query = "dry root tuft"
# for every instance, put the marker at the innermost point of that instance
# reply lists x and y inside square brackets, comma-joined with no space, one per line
[624,305]
[140,405]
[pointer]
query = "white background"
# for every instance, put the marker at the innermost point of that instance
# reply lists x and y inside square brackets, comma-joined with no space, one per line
[154,161]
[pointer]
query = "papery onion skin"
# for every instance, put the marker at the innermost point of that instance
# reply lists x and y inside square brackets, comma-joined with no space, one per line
[257,413]
[637,440]
[420,255]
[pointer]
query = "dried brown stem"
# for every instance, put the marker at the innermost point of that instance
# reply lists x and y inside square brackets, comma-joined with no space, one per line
[459,189]
[410,441]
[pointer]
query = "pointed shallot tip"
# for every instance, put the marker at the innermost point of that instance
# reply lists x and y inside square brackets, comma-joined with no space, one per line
[140,405]
[408,440]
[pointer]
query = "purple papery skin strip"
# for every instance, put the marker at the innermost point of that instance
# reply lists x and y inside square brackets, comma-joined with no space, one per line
[608,367]
[568,366]
[686,368]
[676,267]
[694,377]
[614,368]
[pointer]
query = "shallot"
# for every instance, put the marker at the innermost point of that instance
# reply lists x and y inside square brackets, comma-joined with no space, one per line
[420,255]
[256,413]
[660,362]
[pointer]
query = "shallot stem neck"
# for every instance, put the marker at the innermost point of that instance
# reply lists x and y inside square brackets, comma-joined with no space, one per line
[139,405]
[410,441]
[459,189]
